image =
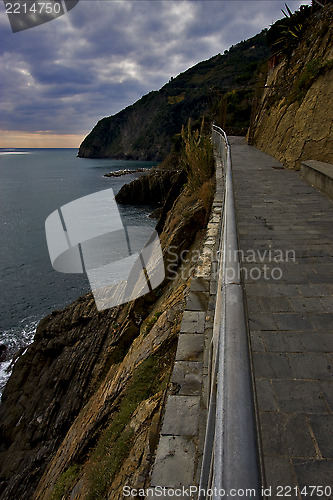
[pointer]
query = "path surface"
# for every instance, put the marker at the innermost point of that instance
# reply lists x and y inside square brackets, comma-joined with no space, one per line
[290,308]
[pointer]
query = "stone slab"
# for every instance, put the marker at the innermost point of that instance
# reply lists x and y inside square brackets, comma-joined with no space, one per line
[292,321]
[324,168]
[257,341]
[326,387]
[272,365]
[193,322]
[301,396]
[174,462]
[197,301]
[279,471]
[323,432]
[181,416]
[314,366]
[294,441]
[265,395]
[314,473]
[199,284]
[318,341]
[187,377]
[284,341]
[190,347]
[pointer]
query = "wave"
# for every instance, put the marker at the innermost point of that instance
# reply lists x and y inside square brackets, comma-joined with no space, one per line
[15,153]
[15,342]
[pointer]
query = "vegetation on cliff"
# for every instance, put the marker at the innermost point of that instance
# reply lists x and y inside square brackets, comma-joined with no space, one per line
[285,35]
[220,88]
[294,119]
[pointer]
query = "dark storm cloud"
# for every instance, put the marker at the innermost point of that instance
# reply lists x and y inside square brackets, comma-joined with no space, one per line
[50,73]
[102,56]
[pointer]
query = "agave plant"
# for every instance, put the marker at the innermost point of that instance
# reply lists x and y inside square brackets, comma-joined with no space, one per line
[289,31]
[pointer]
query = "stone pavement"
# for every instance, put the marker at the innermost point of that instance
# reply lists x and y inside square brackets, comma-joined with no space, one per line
[285,230]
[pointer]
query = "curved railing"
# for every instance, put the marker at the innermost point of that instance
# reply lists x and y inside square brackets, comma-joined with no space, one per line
[231,465]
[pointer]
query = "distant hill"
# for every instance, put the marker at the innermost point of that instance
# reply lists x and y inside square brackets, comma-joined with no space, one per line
[144,129]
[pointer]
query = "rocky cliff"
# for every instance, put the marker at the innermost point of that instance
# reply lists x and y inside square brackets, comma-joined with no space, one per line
[153,186]
[80,413]
[143,130]
[294,113]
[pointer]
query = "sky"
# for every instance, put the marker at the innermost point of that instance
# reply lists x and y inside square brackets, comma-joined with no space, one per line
[58,79]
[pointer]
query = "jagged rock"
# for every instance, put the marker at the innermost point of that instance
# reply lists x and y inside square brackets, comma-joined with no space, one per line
[105,399]
[150,188]
[49,385]
[156,214]
[126,171]
[3,352]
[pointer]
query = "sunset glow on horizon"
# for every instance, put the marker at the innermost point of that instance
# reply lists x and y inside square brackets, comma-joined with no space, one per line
[20,139]
[60,78]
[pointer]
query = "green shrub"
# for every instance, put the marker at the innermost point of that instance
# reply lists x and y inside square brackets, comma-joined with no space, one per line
[311,72]
[285,35]
[151,322]
[114,443]
[65,482]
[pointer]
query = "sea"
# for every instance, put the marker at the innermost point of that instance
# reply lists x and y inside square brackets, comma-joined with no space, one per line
[34,183]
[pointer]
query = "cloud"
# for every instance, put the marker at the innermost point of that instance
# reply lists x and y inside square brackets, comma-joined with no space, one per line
[65,75]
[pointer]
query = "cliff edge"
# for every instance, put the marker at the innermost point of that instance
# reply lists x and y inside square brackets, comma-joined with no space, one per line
[143,130]
[80,414]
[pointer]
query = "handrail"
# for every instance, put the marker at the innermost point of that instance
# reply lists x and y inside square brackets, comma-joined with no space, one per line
[231,464]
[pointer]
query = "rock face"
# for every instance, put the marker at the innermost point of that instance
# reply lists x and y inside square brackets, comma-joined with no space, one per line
[48,387]
[295,122]
[126,171]
[79,415]
[150,188]
[129,134]
[159,342]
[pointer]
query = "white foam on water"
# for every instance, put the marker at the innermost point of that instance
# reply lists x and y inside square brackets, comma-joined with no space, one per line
[5,372]
[15,153]
[15,339]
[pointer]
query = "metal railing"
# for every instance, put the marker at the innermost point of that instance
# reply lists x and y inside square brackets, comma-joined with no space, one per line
[231,465]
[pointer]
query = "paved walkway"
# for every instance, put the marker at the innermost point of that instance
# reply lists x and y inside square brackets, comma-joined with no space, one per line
[285,228]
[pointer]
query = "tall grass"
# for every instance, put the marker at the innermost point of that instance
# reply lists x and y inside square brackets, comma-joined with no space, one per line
[198,156]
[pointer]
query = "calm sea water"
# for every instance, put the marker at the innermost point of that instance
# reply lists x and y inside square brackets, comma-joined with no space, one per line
[34,183]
